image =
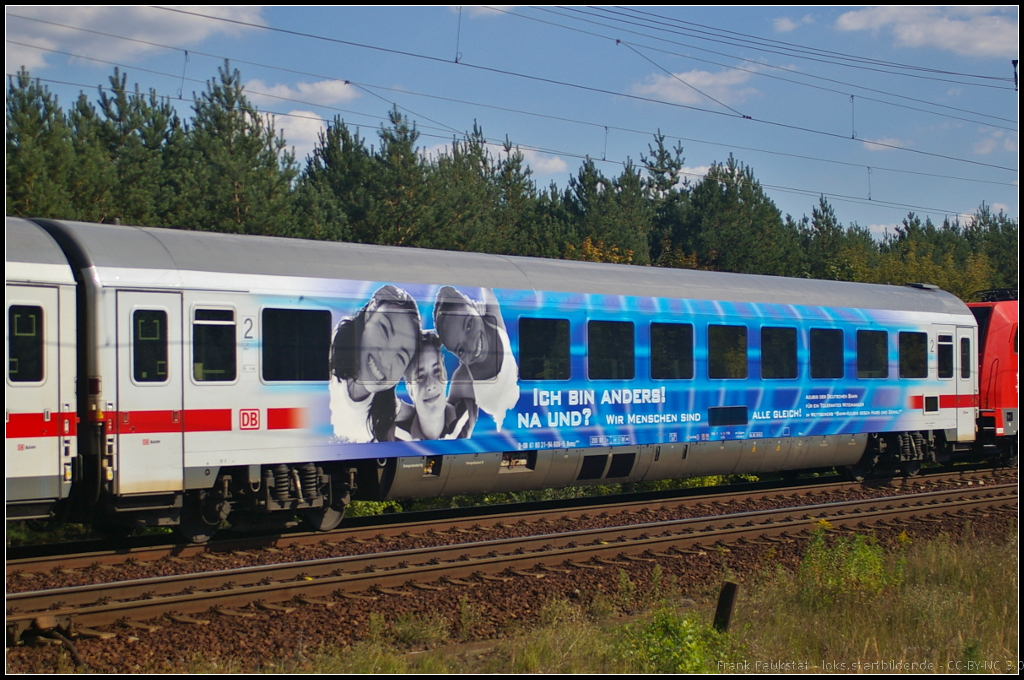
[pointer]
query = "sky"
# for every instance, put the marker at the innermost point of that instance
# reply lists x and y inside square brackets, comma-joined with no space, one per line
[884,110]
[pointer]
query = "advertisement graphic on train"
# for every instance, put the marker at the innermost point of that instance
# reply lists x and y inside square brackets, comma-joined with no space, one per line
[385,344]
[427,369]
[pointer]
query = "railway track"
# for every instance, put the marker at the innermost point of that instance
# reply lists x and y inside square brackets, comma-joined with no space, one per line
[402,572]
[460,527]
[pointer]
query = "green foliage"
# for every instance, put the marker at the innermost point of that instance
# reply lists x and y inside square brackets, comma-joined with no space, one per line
[40,533]
[127,157]
[241,176]
[846,568]
[672,643]
[370,508]
[930,602]
[39,151]
[733,226]
[669,195]
[415,629]
[611,216]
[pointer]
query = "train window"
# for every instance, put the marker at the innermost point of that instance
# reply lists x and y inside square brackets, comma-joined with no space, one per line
[778,353]
[826,353]
[610,350]
[945,356]
[296,344]
[965,357]
[25,343]
[671,351]
[913,355]
[544,349]
[149,345]
[727,351]
[872,354]
[213,345]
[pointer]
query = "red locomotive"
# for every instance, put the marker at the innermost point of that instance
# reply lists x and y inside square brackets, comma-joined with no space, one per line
[998,371]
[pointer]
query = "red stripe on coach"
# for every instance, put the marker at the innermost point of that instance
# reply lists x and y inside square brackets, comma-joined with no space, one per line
[947,401]
[208,420]
[28,425]
[286,418]
[148,422]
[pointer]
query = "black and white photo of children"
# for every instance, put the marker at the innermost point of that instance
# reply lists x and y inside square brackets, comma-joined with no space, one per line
[474,331]
[431,415]
[370,353]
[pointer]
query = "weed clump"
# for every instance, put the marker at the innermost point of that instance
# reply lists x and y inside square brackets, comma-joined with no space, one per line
[671,642]
[849,568]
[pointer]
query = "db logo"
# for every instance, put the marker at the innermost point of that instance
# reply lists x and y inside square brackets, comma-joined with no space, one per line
[249,419]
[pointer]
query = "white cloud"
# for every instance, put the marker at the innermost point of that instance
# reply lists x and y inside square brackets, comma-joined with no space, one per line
[301,130]
[986,145]
[785,24]
[884,143]
[323,92]
[725,86]
[142,23]
[694,174]
[436,151]
[1000,207]
[995,140]
[543,164]
[971,31]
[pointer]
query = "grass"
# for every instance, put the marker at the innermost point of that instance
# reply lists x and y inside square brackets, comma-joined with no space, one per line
[851,605]
[937,604]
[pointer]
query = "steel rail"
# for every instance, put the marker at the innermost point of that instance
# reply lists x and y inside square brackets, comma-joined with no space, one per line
[394,530]
[104,604]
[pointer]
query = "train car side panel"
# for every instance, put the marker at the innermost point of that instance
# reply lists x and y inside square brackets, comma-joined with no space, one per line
[149,419]
[40,410]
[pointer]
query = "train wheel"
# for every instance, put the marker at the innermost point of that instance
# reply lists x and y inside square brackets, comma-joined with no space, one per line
[325,519]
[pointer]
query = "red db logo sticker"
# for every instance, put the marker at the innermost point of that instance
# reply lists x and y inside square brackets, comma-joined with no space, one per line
[249,419]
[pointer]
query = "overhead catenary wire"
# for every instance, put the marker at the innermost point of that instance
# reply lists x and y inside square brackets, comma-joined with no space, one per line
[756,72]
[580,156]
[587,88]
[799,51]
[366,87]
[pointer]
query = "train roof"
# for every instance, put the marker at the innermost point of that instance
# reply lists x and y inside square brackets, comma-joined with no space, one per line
[26,242]
[31,255]
[116,246]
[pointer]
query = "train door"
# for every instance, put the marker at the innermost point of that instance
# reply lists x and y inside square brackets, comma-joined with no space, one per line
[33,412]
[966,384]
[149,419]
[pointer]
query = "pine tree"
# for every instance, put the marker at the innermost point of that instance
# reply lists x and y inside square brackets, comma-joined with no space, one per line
[39,152]
[241,173]
[398,209]
[136,131]
[94,182]
[463,195]
[669,194]
[735,227]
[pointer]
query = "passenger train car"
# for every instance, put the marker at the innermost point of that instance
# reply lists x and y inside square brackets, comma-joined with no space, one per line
[165,377]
